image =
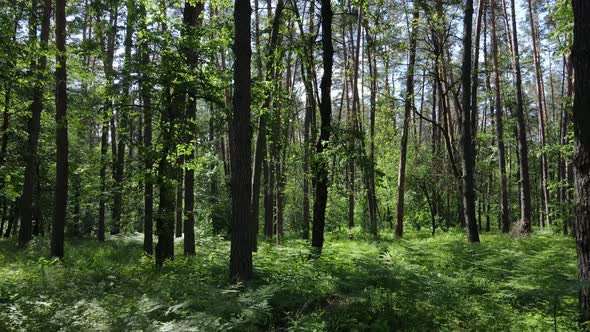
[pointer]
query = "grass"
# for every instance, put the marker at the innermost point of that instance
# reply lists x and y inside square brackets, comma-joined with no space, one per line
[415,284]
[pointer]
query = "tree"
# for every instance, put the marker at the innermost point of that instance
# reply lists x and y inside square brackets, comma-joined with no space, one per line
[61,180]
[191,20]
[467,142]
[321,163]
[499,123]
[408,106]
[241,169]
[581,119]
[38,68]
[524,224]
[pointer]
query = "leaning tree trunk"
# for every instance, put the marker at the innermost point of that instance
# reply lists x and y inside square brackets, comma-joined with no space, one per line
[321,164]
[61,165]
[581,117]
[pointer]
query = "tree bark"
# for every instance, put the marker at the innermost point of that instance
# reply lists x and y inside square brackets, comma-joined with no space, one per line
[581,119]
[38,68]
[467,141]
[504,213]
[408,106]
[321,164]
[61,181]
[524,225]
[241,167]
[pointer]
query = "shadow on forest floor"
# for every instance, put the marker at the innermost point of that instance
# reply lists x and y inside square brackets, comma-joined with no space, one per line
[440,283]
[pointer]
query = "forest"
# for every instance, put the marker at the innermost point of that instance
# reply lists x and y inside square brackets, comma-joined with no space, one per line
[295,165]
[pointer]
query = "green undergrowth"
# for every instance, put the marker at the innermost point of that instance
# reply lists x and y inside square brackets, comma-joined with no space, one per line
[420,283]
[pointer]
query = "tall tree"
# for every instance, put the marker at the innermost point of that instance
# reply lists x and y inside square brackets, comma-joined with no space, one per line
[408,106]
[191,21]
[61,165]
[467,141]
[524,224]
[581,117]
[38,68]
[505,217]
[321,162]
[146,95]
[241,168]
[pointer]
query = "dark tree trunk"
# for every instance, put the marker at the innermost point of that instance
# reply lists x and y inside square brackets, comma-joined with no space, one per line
[321,165]
[241,167]
[467,141]
[191,21]
[61,181]
[524,225]
[408,106]
[581,117]
[26,215]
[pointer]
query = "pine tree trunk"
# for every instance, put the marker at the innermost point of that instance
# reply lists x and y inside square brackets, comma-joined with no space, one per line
[467,141]
[241,167]
[581,119]
[504,213]
[524,225]
[321,165]
[146,96]
[38,68]
[61,181]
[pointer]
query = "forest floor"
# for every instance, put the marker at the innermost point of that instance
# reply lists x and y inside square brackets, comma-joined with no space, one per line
[419,283]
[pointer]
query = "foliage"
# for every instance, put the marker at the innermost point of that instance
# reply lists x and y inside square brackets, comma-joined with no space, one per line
[419,283]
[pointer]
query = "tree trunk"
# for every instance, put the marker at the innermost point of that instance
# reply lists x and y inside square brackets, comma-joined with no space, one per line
[542,114]
[241,167]
[581,117]
[467,141]
[26,225]
[146,96]
[505,216]
[61,181]
[408,106]
[321,164]
[524,225]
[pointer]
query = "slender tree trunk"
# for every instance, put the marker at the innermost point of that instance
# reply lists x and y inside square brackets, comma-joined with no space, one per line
[524,225]
[179,196]
[505,216]
[408,106]
[146,95]
[321,165]
[123,121]
[542,116]
[467,141]
[261,143]
[61,181]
